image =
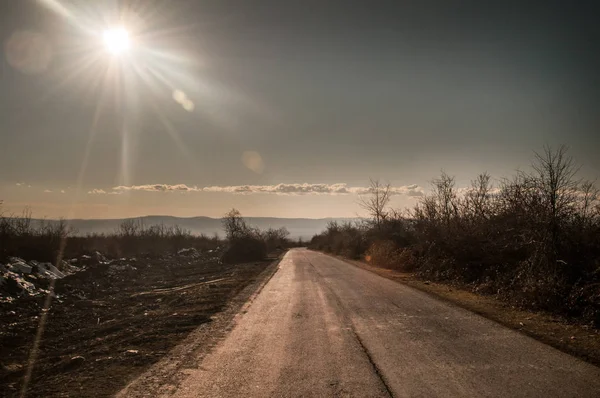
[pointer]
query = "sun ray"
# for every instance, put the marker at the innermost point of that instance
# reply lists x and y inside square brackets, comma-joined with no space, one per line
[88,146]
[57,7]
[170,129]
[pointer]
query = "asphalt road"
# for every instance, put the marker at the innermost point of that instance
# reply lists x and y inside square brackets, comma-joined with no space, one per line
[322,327]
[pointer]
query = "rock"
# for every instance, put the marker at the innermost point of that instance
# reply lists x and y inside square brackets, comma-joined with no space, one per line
[99,257]
[74,362]
[19,266]
[119,268]
[189,252]
[48,271]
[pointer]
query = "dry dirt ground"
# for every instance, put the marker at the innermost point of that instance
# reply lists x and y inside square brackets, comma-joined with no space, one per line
[582,341]
[107,328]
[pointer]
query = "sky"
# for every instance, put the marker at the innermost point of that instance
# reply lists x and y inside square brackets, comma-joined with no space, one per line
[284,108]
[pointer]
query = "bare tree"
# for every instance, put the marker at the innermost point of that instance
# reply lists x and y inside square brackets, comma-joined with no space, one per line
[426,209]
[478,200]
[22,224]
[445,193]
[554,178]
[234,225]
[589,199]
[376,202]
[129,228]
[275,237]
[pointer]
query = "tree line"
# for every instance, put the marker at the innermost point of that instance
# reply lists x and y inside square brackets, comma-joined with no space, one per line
[532,239]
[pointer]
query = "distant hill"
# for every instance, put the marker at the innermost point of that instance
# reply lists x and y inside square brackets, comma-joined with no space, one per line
[298,227]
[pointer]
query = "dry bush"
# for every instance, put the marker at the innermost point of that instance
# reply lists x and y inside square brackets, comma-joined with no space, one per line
[275,238]
[244,243]
[49,240]
[386,254]
[533,240]
[346,239]
[245,249]
[20,237]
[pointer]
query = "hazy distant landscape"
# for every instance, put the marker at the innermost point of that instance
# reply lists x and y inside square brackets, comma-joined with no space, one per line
[304,228]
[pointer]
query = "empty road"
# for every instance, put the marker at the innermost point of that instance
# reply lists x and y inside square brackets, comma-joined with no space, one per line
[324,328]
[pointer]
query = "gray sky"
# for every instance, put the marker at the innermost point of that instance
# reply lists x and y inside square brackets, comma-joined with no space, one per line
[298,92]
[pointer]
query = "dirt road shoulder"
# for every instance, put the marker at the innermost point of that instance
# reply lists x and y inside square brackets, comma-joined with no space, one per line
[164,376]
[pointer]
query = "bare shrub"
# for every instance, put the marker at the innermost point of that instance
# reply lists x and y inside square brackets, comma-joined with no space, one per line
[478,204]
[234,225]
[50,240]
[245,249]
[275,238]
[386,254]
[534,240]
[244,242]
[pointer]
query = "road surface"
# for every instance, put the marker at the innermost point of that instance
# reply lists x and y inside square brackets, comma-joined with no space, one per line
[324,328]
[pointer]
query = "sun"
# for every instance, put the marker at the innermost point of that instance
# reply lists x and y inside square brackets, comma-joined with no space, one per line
[117,40]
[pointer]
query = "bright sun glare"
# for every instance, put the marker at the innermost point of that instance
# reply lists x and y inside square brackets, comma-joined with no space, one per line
[117,40]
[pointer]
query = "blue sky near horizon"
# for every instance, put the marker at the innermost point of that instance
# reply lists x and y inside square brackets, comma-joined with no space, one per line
[291,101]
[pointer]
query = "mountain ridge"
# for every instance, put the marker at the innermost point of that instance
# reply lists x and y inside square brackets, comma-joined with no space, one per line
[303,228]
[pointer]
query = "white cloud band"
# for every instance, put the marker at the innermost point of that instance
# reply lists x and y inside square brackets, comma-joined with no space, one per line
[278,189]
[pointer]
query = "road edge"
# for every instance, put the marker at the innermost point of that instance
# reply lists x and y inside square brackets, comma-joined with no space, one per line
[162,378]
[573,339]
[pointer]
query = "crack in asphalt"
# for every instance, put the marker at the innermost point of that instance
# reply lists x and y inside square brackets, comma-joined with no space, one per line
[366,351]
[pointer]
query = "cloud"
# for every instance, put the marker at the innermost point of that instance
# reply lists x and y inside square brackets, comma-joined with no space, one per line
[284,189]
[277,189]
[464,191]
[102,192]
[314,189]
[62,191]
[406,190]
[156,188]
[47,191]
[409,190]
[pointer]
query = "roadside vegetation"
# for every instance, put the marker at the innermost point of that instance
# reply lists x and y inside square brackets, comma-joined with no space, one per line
[33,255]
[247,243]
[89,313]
[49,240]
[53,240]
[532,240]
